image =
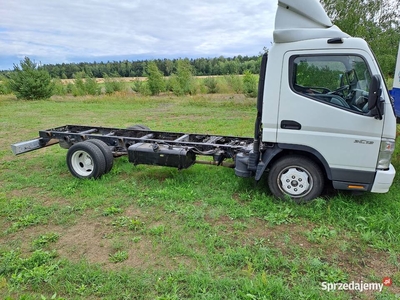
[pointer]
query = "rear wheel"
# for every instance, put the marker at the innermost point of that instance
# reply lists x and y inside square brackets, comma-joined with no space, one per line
[85,160]
[106,152]
[296,177]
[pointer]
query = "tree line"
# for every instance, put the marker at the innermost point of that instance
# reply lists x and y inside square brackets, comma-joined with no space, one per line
[199,66]
[31,82]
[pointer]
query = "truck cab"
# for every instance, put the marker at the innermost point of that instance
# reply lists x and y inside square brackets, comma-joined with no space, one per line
[326,111]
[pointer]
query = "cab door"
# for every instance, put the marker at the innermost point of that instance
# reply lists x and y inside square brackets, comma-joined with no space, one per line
[322,110]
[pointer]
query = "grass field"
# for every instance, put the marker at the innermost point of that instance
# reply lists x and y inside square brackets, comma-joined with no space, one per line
[144,232]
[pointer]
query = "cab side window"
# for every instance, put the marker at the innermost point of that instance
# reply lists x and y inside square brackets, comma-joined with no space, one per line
[338,80]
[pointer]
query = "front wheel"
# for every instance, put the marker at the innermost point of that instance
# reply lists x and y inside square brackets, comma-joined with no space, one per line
[86,160]
[296,177]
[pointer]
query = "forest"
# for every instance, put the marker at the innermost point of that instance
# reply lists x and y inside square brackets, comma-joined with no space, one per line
[200,67]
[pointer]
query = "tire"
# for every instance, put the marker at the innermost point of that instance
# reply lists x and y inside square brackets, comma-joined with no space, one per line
[296,177]
[85,160]
[106,152]
[139,127]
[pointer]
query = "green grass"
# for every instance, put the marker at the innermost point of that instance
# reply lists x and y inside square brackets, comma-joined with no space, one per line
[143,232]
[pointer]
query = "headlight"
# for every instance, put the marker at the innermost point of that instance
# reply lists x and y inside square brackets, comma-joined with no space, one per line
[385,154]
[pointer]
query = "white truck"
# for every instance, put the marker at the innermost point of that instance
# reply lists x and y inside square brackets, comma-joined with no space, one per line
[324,115]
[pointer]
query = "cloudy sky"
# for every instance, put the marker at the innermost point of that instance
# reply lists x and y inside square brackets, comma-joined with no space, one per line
[64,31]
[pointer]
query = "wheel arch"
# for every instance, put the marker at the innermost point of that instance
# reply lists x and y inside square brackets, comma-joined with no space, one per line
[310,153]
[281,150]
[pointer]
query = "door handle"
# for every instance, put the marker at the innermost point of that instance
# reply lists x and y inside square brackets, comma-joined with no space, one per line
[289,124]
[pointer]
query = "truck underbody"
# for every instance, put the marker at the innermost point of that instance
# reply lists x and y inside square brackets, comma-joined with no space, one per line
[144,146]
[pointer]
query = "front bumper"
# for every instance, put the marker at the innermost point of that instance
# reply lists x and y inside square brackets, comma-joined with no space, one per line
[383,180]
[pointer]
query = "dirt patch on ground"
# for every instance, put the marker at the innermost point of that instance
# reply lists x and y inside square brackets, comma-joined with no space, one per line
[22,239]
[85,240]
[96,240]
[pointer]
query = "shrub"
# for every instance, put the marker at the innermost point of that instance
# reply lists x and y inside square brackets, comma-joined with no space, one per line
[59,88]
[69,88]
[182,82]
[168,86]
[249,84]
[27,81]
[235,83]
[113,85]
[137,84]
[174,86]
[211,85]
[91,86]
[85,85]
[4,88]
[155,79]
[141,87]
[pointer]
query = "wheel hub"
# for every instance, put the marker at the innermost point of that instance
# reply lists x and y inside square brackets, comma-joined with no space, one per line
[295,181]
[88,161]
[82,163]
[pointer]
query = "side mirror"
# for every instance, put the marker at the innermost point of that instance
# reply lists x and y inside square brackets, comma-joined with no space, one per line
[374,89]
[375,103]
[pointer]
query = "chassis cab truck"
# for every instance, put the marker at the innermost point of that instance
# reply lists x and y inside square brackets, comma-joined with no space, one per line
[326,112]
[324,115]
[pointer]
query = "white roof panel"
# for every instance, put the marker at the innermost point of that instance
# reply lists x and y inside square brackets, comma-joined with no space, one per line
[303,20]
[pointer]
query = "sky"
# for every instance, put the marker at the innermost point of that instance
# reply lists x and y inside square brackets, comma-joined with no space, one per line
[65,31]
